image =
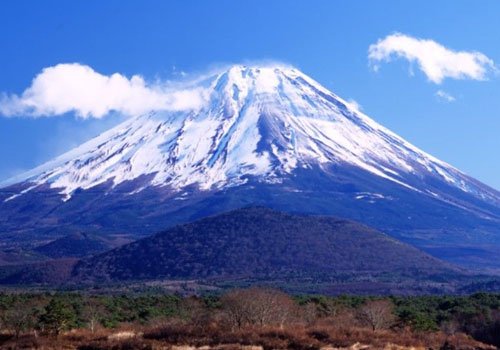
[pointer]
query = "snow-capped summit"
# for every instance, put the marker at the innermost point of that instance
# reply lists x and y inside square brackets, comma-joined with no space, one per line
[257,121]
[265,135]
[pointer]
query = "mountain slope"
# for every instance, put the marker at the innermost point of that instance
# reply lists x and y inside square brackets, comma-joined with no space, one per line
[259,243]
[257,121]
[74,245]
[269,136]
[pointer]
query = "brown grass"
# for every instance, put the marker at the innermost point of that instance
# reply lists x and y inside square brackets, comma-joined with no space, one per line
[295,337]
[306,338]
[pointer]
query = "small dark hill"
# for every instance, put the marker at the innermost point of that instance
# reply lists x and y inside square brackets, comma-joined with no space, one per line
[75,245]
[259,243]
[51,272]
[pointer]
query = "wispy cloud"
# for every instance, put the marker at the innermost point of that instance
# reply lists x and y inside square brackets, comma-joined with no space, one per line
[354,104]
[178,72]
[78,88]
[444,96]
[435,60]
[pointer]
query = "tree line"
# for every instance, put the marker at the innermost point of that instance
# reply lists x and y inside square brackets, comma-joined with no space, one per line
[163,316]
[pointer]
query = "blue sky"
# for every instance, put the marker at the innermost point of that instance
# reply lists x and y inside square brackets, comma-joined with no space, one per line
[328,40]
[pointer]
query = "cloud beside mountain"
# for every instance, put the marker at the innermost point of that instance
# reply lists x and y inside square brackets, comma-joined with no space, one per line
[73,87]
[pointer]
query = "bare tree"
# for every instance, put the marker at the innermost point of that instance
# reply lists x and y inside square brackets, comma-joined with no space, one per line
[378,314]
[92,312]
[345,318]
[236,305]
[329,308]
[309,313]
[20,317]
[195,311]
[258,306]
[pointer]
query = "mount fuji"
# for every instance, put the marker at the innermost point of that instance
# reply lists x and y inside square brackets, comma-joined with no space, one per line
[266,135]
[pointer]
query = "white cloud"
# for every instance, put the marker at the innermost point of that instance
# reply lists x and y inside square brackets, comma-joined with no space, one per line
[354,105]
[435,60]
[78,88]
[444,96]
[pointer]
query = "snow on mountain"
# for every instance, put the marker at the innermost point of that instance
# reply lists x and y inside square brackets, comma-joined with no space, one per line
[260,121]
